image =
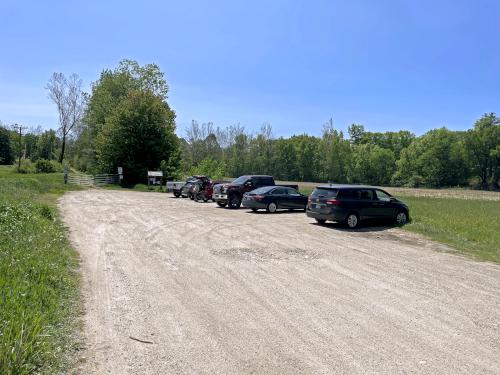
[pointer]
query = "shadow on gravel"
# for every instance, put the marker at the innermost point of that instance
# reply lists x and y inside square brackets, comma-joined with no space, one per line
[364,226]
[280,212]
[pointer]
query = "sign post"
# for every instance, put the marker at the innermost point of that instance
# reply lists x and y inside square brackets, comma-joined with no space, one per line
[120,173]
[66,171]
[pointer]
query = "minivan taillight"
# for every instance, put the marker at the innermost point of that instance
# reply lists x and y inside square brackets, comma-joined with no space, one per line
[333,202]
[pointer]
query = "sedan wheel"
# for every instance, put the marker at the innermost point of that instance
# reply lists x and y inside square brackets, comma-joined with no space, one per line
[352,221]
[401,218]
[272,207]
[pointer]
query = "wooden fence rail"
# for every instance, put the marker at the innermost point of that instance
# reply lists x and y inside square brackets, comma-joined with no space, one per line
[89,180]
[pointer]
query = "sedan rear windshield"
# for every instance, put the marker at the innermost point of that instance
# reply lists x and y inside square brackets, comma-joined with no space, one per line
[327,193]
[262,190]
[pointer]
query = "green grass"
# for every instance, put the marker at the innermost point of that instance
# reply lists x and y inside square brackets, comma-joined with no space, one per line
[38,281]
[470,226]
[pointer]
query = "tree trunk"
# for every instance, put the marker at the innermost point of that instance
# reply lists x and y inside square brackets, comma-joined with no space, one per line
[63,147]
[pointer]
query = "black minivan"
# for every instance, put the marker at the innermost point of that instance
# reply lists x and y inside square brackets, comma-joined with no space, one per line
[350,204]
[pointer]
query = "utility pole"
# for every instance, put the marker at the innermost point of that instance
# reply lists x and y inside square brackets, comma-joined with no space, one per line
[19,129]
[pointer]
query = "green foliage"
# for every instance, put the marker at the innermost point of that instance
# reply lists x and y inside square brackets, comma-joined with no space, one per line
[208,167]
[170,167]
[47,146]
[394,141]
[439,158]
[38,286]
[137,136]
[435,159]
[335,156]
[483,147]
[470,226]
[47,166]
[285,160]
[104,134]
[372,163]
[26,167]
[6,151]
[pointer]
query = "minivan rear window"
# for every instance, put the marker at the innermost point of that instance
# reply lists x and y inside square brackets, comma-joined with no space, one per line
[327,193]
[348,194]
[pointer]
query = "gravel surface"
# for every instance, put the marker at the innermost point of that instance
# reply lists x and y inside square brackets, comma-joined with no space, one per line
[217,291]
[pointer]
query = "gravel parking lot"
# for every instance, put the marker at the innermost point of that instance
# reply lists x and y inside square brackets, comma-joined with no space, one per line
[176,287]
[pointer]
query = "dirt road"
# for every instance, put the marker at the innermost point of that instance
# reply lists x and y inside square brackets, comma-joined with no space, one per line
[216,291]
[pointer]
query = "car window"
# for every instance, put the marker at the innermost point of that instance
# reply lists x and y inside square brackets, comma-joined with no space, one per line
[264,181]
[348,194]
[382,195]
[261,190]
[365,194]
[278,191]
[327,193]
[291,191]
[240,180]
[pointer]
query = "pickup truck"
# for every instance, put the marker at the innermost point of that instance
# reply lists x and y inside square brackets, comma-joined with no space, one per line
[176,186]
[231,194]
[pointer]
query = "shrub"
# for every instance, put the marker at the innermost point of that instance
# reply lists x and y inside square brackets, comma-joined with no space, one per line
[26,167]
[47,166]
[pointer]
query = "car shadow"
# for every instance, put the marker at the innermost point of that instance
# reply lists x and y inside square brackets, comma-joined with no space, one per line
[364,226]
[279,212]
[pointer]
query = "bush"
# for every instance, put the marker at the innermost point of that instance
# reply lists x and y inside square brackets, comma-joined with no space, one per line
[47,166]
[44,166]
[26,167]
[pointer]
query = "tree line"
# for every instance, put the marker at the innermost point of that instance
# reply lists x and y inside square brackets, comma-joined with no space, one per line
[126,121]
[438,158]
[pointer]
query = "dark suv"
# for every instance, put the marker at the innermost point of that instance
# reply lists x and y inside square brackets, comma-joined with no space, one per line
[352,203]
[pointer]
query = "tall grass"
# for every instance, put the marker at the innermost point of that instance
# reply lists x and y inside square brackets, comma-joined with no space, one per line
[38,282]
[470,226]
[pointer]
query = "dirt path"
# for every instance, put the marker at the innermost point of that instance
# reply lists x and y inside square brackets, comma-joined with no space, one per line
[221,291]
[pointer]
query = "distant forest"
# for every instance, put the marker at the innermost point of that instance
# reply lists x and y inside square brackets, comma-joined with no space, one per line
[126,121]
[439,158]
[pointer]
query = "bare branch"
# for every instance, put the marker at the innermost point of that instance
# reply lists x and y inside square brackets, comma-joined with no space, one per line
[70,100]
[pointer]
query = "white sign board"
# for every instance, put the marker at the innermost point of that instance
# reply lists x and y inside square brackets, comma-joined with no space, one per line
[120,170]
[155,174]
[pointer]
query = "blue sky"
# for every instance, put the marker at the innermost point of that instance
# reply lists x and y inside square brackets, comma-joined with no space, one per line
[388,64]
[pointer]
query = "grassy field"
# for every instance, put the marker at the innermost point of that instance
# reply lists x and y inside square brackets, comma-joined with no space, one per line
[470,226]
[38,281]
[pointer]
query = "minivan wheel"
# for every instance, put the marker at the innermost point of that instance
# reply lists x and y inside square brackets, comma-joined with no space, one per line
[272,207]
[352,220]
[234,201]
[401,218]
[321,221]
